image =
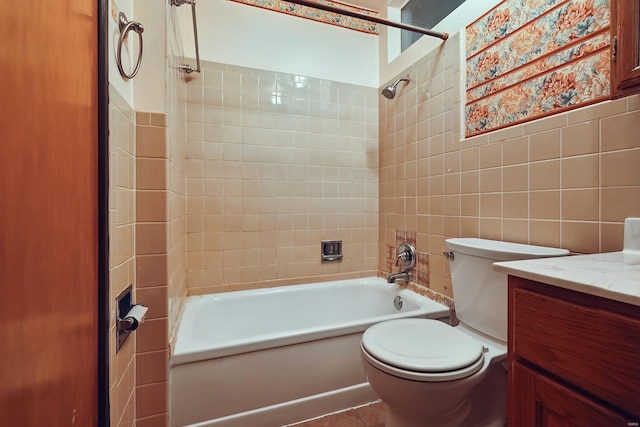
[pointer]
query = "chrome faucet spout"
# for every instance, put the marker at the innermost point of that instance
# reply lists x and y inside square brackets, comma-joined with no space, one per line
[405,276]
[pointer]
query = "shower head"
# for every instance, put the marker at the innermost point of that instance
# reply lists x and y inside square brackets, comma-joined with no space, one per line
[389,92]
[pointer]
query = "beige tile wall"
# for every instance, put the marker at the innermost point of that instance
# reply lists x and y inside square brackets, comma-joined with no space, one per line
[152,273]
[177,192]
[275,164]
[122,366]
[568,180]
[147,249]
[160,247]
[155,248]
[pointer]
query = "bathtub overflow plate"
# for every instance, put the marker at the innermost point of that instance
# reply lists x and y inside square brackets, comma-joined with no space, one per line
[397,302]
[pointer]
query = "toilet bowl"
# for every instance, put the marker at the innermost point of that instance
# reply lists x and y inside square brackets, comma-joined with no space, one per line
[432,374]
[425,371]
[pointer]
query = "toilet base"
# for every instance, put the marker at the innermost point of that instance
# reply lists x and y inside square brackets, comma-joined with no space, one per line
[488,401]
[485,406]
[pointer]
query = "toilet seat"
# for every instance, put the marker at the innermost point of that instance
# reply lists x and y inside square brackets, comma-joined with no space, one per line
[422,350]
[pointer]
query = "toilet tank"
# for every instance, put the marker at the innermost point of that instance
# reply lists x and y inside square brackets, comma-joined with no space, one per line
[479,292]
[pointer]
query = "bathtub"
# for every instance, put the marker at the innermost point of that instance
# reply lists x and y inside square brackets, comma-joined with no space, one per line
[275,356]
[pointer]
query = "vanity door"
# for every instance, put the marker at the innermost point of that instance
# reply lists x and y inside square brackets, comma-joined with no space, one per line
[540,401]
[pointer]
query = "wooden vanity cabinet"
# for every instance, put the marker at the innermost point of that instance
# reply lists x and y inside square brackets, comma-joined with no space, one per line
[574,359]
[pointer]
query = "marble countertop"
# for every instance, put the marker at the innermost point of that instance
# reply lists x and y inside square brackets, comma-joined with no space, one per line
[614,275]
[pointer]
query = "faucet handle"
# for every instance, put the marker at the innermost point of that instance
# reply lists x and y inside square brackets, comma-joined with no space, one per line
[403,257]
[406,256]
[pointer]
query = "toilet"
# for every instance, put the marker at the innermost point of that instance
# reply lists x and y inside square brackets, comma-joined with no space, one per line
[431,374]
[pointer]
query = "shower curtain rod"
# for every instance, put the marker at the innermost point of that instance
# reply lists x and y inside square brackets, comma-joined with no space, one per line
[186,67]
[377,20]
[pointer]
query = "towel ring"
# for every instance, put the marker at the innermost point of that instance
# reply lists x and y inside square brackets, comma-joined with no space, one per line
[125,26]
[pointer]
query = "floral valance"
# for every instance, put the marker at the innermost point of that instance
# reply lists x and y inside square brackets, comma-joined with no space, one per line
[320,15]
[528,59]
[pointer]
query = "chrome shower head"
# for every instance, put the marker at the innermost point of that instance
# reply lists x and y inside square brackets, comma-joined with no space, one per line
[389,92]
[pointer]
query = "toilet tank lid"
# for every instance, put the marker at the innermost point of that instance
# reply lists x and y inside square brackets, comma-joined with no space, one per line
[502,251]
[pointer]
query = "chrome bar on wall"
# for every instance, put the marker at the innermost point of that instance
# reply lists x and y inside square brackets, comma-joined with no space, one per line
[185,67]
[375,19]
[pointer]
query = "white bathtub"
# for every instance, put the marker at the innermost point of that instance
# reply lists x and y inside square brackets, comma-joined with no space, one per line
[270,357]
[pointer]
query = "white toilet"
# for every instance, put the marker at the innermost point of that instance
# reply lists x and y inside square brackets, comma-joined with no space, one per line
[432,374]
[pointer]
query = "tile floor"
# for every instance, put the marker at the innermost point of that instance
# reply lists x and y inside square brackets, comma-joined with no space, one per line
[372,415]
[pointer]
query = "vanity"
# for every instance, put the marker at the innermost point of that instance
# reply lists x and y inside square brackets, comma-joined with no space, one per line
[574,340]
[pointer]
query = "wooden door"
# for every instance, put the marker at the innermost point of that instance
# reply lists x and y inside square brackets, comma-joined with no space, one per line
[48,213]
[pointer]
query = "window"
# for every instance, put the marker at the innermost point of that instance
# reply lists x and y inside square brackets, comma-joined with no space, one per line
[426,14]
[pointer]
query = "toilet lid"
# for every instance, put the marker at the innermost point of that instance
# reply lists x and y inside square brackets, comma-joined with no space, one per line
[421,345]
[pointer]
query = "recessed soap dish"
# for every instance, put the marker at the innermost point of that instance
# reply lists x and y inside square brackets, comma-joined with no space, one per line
[331,250]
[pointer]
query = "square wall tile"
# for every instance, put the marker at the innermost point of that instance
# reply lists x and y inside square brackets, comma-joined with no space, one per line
[544,175]
[580,205]
[581,139]
[544,145]
[620,132]
[580,172]
[544,205]
[151,399]
[580,237]
[620,168]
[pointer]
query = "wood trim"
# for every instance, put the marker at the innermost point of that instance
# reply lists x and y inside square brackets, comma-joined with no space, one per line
[521,400]
[625,69]
[103,413]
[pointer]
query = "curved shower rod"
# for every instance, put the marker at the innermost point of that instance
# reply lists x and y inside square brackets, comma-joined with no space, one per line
[375,19]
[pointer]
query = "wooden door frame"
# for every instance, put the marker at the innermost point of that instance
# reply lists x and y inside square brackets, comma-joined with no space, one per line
[103,214]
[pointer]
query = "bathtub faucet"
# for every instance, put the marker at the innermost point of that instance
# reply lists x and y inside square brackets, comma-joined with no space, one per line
[406,259]
[405,276]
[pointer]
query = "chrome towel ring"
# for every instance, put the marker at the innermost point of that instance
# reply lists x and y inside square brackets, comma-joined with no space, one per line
[125,26]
